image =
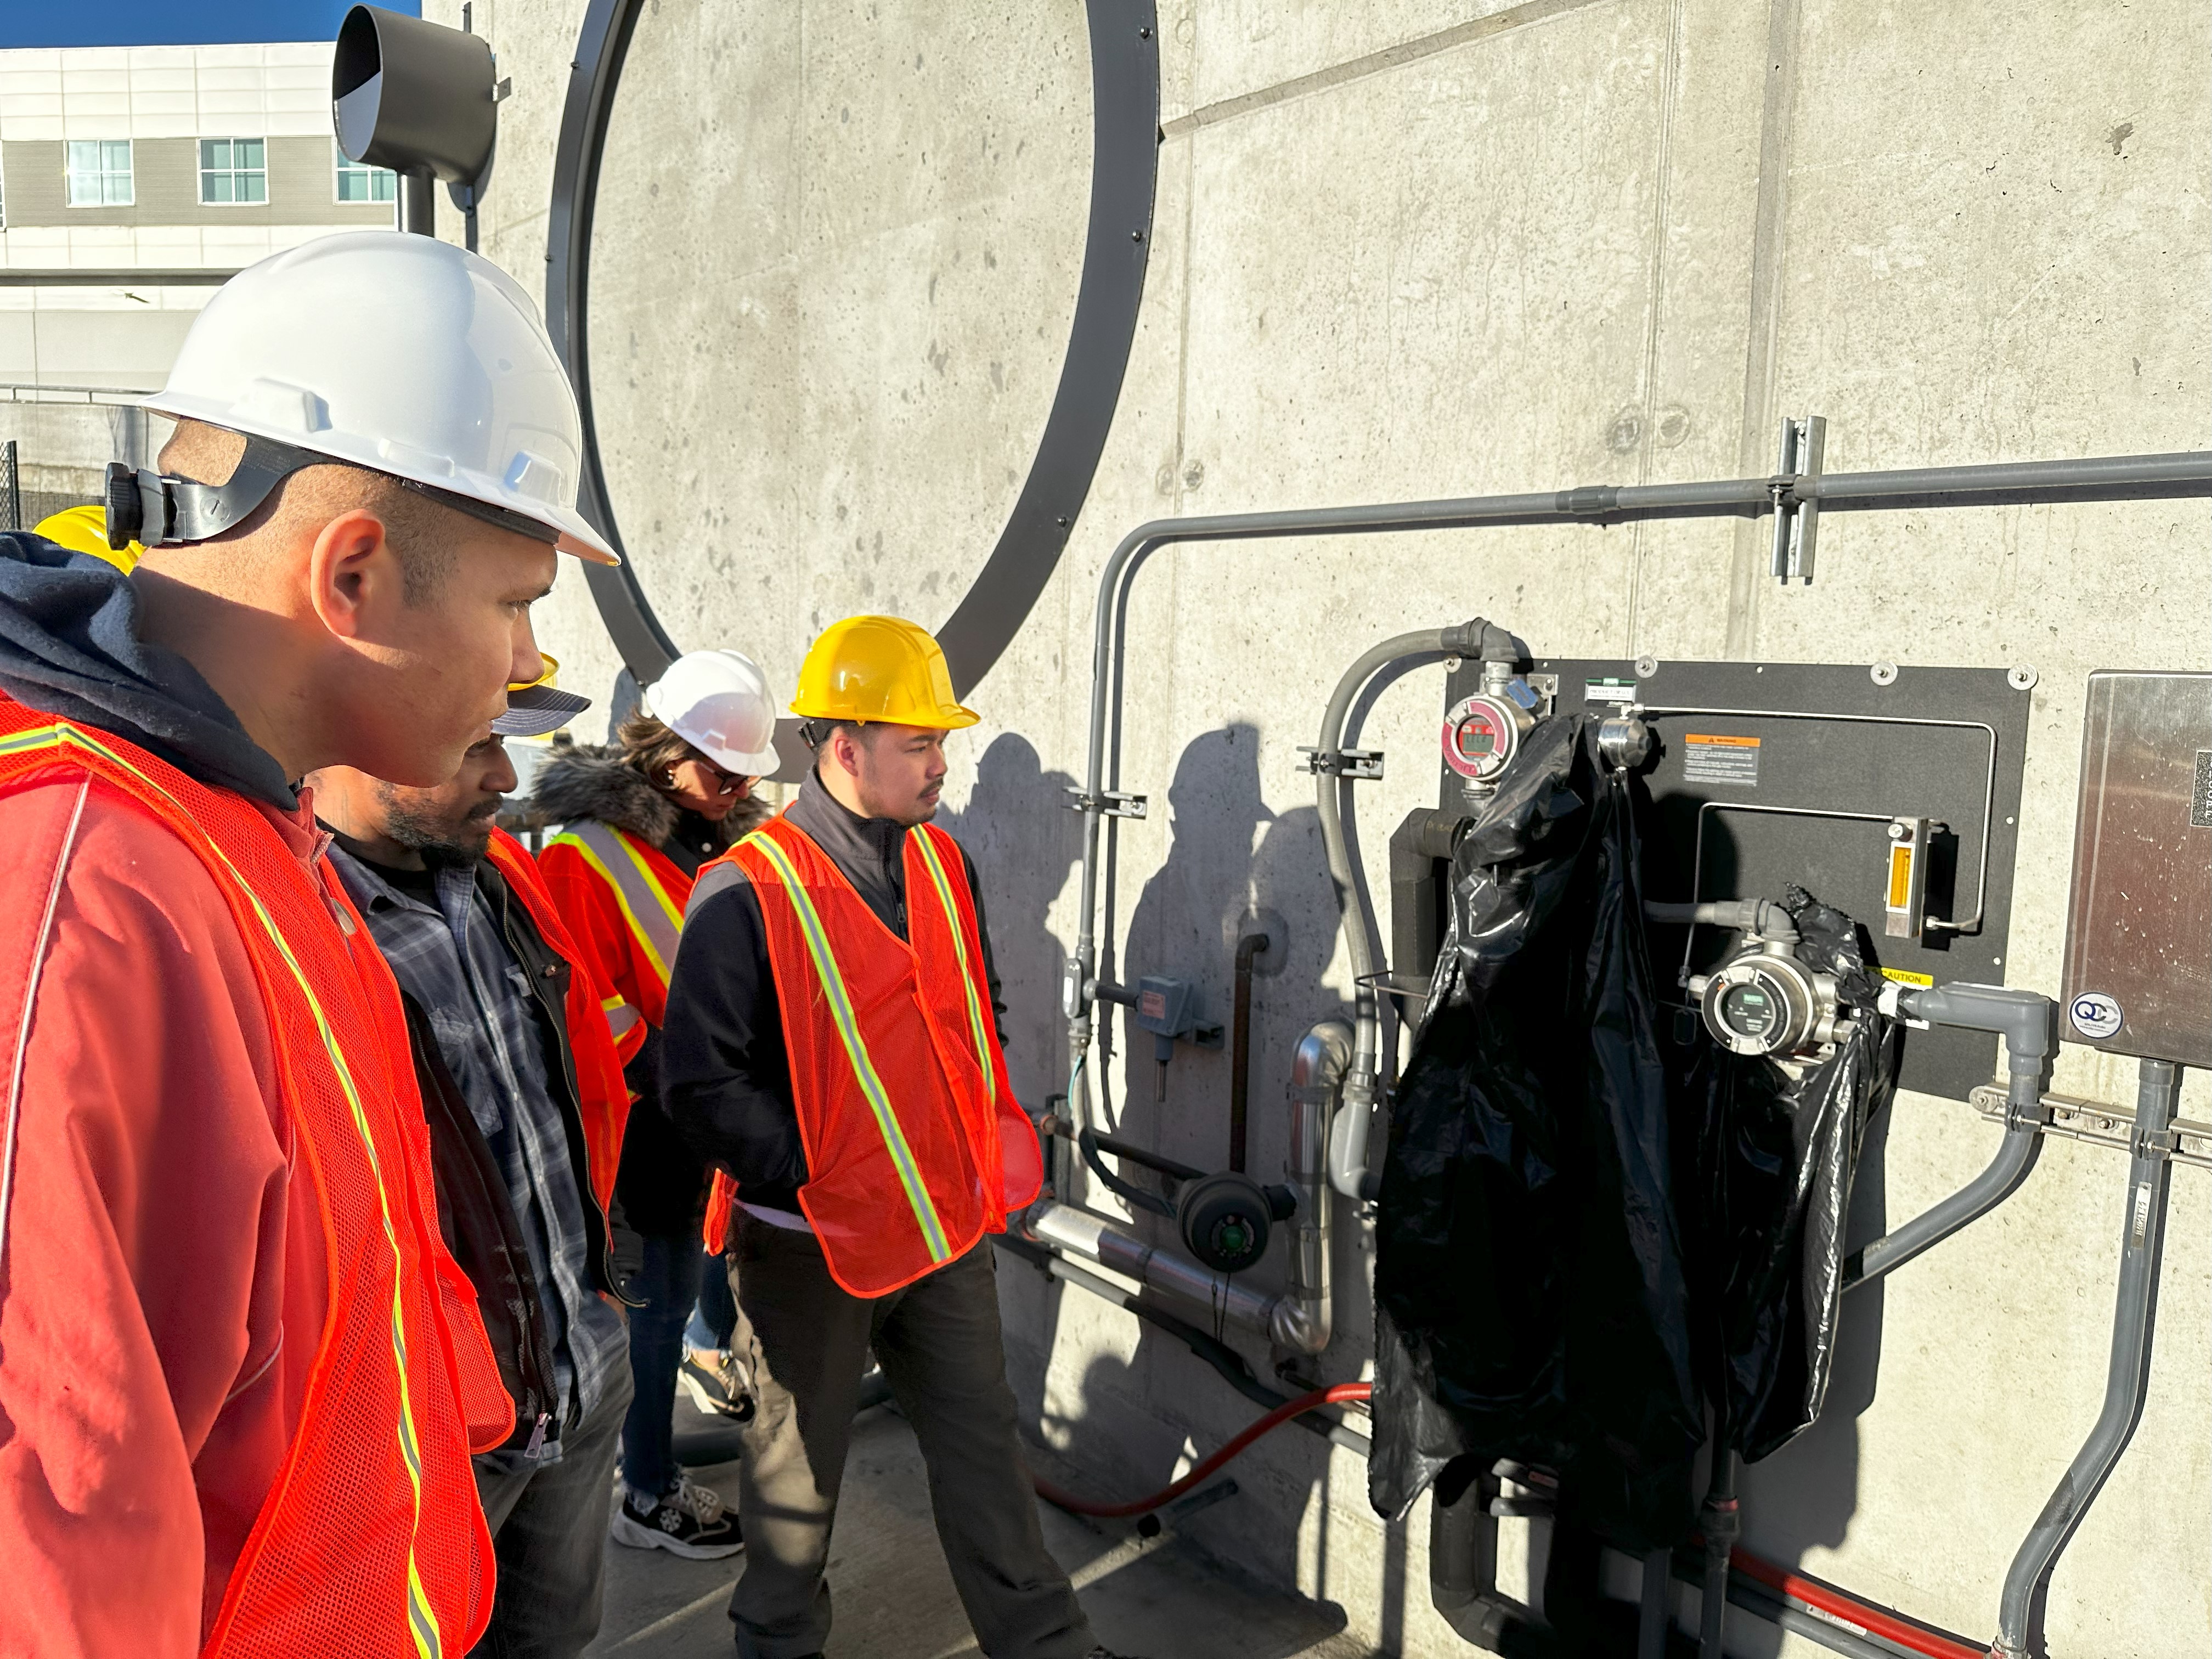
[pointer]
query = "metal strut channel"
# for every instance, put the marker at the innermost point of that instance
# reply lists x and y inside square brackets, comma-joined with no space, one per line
[1125,97]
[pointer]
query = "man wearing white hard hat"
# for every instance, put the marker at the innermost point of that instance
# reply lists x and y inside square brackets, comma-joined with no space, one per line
[636,820]
[239,1372]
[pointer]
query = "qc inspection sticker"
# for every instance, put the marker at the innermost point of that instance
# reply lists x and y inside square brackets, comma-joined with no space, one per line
[1708,759]
[2095,1015]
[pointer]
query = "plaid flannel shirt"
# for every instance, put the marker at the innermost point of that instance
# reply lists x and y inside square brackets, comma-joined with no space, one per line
[454,962]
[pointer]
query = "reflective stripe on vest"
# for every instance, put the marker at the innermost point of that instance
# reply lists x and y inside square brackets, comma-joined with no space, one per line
[422,1620]
[655,919]
[856,1048]
[621,1017]
[926,840]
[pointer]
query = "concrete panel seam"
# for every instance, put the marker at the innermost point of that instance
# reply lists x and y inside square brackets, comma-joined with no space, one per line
[1647,390]
[1763,341]
[1376,63]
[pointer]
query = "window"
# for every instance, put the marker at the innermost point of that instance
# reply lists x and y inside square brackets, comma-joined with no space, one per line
[359,182]
[234,171]
[99,172]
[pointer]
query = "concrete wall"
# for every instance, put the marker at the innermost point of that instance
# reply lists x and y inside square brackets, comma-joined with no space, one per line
[1421,247]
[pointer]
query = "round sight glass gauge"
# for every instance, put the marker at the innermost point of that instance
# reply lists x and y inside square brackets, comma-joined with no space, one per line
[1748,1010]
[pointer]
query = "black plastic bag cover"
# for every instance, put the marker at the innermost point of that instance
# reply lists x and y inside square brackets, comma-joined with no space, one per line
[1774,1162]
[1529,1278]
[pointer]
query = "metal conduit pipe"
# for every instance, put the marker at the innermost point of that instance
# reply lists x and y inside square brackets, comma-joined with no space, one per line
[1224,1359]
[2127,1378]
[2109,477]
[2112,477]
[1348,1152]
[2027,1022]
[1318,1070]
[1064,1227]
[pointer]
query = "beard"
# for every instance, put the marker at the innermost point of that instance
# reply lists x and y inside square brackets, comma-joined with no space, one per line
[441,843]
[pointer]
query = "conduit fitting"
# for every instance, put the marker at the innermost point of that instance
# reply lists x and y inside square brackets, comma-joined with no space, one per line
[2027,1022]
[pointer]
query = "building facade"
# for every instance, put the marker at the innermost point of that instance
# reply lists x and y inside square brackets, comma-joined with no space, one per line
[133,180]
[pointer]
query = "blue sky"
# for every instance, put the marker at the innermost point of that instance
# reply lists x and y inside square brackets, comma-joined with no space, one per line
[176,22]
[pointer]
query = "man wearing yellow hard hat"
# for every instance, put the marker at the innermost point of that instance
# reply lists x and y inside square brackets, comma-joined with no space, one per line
[832,1044]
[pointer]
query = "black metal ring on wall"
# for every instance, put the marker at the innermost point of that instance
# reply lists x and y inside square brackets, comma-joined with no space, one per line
[1125,102]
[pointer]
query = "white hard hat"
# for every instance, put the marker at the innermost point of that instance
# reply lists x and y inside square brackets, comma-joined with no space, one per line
[402,353]
[719,703]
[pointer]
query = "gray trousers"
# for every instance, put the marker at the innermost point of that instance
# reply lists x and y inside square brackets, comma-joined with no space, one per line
[549,1532]
[938,1343]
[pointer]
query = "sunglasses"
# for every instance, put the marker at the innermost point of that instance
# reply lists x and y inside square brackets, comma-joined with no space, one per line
[725,782]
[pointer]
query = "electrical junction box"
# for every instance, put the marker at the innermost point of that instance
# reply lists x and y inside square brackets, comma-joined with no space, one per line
[2138,976]
[1891,792]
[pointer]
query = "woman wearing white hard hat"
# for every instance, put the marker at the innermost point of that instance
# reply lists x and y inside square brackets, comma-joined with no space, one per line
[636,820]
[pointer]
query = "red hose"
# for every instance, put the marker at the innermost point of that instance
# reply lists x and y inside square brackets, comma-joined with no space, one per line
[1274,1420]
[1839,1604]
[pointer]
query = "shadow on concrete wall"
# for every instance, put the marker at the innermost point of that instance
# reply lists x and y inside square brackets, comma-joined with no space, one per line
[1233,867]
[1017,832]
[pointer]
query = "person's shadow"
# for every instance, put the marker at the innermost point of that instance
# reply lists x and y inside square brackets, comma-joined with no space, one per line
[1023,840]
[1215,887]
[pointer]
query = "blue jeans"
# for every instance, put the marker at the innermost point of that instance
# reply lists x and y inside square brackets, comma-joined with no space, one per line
[666,1285]
[716,1316]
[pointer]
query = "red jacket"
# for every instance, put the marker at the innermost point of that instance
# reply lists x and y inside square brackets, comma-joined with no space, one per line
[219,1253]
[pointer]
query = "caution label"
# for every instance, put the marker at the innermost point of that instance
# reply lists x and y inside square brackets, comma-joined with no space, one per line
[1707,758]
[1906,977]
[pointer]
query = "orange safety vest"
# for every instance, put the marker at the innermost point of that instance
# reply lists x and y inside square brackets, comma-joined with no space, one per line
[602,1097]
[371,1540]
[623,901]
[916,1147]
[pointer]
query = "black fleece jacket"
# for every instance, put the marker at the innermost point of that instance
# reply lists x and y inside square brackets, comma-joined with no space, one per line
[725,1073]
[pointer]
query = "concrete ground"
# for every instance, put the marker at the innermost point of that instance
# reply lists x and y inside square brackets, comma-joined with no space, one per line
[1157,1598]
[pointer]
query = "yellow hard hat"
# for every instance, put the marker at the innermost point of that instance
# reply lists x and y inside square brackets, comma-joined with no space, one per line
[84,530]
[878,668]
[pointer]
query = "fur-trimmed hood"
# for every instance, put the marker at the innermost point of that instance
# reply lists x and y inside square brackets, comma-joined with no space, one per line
[584,781]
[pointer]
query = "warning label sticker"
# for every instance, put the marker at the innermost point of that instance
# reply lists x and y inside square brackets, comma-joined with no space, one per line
[1906,977]
[1709,759]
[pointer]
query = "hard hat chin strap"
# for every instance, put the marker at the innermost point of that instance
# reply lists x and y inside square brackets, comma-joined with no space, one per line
[159,509]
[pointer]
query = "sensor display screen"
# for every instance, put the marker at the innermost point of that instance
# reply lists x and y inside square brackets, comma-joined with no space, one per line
[1747,1010]
[1479,736]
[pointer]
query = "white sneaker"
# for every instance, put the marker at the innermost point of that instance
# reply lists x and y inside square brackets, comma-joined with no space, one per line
[690,1521]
